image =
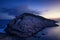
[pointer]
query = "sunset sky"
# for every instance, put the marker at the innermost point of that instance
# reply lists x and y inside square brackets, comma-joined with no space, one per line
[47,8]
[50,9]
[53,12]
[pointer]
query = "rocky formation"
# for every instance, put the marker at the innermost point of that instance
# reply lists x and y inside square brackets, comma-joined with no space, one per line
[27,25]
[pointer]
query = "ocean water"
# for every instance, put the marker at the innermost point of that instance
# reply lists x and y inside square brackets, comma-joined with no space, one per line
[3,25]
[50,33]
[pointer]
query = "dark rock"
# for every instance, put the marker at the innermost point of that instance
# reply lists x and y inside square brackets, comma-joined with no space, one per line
[2,35]
[50,23]
[27,25]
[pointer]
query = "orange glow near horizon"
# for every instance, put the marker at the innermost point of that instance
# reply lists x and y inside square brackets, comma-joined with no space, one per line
[52,13]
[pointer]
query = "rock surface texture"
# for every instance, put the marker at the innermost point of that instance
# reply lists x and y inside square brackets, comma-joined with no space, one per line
[27,25]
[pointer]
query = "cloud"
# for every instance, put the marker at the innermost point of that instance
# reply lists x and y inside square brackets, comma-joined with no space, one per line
[10,13]
[18,10]
[6,16]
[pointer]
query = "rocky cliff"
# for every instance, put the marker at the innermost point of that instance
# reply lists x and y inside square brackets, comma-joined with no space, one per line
[27,25]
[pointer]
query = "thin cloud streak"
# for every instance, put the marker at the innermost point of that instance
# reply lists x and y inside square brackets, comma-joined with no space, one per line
[6,16]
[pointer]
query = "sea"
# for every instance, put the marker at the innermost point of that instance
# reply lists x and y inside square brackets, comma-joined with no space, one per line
[50,33]
[3,25]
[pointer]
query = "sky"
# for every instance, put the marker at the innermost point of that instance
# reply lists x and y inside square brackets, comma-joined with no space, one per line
[46,8]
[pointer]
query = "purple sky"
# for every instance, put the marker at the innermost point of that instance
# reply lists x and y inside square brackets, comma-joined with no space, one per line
[47,8]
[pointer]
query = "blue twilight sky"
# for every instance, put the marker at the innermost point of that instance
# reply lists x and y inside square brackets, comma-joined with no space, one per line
[47,8]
